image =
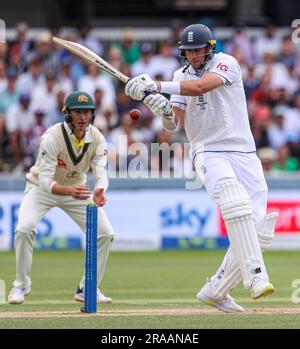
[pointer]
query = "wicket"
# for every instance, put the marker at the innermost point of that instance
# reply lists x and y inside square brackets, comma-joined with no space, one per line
[90,288]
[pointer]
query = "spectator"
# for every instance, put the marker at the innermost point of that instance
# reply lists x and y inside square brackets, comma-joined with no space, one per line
[93,80]
[46,53]
[33,78]
[115,57]
[278,72]
[267,157]
[164,63]
[287,56]
[45,97]
[262,92]
[144,64]
[22,43]
[260,121]
[130,50]
[292,83]
[106,119]
[294,146]
[57,114]
[278,96]
[32,137]
[268,42]
[10,95]
[292,119]
[276,132]
[240,41]
[3,80]
[285,162]
[16,61]
[124,103]
[88,41]
[3,50]
[77,64]
[251,81]
[19,121]
[65,77]
[239,55]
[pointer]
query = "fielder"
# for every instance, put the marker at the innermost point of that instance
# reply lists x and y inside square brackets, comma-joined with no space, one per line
[57,179]
[208,95]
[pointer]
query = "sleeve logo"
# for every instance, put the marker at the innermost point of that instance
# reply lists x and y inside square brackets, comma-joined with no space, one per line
[61,163]
[222,66]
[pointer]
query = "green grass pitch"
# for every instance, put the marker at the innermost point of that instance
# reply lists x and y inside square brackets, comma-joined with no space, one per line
[150,290]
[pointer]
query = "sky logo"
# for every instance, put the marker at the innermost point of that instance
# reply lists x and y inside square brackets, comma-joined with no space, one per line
[184,218]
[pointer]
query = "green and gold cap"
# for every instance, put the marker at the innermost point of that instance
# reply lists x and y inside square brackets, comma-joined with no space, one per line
[79,100]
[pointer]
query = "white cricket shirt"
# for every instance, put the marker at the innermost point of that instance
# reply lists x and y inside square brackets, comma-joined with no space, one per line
[217,120]
[60,162]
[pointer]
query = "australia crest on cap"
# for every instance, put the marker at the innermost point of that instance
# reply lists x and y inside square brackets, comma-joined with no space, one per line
[82,99]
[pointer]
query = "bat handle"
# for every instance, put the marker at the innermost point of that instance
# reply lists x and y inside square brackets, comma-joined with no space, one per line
[147,93]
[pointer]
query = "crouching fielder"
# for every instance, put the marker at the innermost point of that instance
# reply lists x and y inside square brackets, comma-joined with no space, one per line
[208,94]
[57,179]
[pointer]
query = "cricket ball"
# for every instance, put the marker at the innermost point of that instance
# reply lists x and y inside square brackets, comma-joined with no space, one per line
[135,114]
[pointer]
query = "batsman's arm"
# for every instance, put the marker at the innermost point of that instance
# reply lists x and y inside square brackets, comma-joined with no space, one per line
[179,114]
[197,87]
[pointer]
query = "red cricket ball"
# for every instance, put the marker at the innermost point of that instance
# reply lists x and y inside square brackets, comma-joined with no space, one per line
[135,114]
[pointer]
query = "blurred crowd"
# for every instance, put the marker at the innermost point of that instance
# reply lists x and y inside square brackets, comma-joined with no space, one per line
[36,76]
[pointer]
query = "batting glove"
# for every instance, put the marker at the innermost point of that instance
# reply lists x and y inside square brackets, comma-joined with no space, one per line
[158,104]
[136,87]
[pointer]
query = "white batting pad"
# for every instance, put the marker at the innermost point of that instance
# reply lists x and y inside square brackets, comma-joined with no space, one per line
[229,274]
[236,210]
[267,232]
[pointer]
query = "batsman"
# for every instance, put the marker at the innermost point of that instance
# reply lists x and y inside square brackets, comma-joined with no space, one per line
[208,94]
[58,179]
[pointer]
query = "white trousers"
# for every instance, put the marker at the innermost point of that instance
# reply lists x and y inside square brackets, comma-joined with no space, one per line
[35,204]
[216,168]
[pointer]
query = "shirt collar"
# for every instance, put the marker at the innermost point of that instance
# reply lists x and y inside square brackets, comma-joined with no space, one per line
[88,138]
[198,72]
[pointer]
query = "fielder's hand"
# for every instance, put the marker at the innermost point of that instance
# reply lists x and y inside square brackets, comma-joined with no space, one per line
[136,87]
[99,198]
[158,104]
[81,192]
